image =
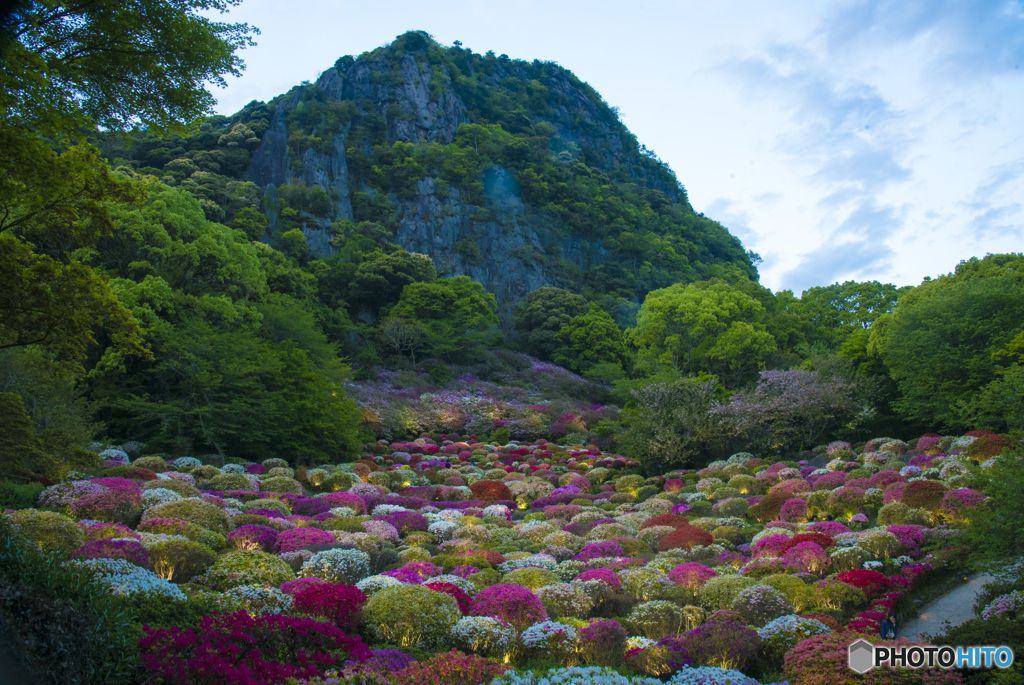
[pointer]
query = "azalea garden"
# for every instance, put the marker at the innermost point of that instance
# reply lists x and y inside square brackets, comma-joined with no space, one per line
[448,560]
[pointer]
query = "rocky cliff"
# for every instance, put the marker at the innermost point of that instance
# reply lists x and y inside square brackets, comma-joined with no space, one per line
[516,174]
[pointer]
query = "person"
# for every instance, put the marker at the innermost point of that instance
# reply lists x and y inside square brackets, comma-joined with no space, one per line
[884,628]
[892,626]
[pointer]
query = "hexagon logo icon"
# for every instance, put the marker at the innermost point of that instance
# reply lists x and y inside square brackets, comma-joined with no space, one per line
[861,656]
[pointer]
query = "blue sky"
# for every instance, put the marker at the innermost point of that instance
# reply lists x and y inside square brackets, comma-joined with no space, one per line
[866,140]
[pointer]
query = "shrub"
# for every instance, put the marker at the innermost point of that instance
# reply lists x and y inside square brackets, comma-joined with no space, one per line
[253,537]
[246,568]
[131,551]
[180,560]
[686,537]
[725,644]
[549,641]
[644,583]
[822,660]
[260,600]
[299,538]
[719,593]
[347,566]
[868,582]
[45,603]
[231,481]
[530,578]
[836,595]
[656,619]
[484,635]
[462,598]
[411,615]
[19,495]
[511,603]
[179,487]
[238,649]
[760,604]
[783,633]
[451,668]
[281,484]
[195,511]
[52,532]
[490,490]
[602,643]
[924,494]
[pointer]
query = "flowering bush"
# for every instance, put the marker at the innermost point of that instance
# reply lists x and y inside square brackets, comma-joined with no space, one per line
[340,604]
[451,668]
[461,597]
[822,660]
[691,574]
[236,649]
[760,604]
[484,635]
[297,538]
[604,575]
[869,582]
[564,600]
[253,537]
[602,643]
[1009,605]
[511,603]
[347,566]
[719,593]
[261,600]
[411,615]
[726,644]
[130,550]
[782,634]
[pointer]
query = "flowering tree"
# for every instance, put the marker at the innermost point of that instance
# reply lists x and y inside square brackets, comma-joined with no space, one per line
[793,407]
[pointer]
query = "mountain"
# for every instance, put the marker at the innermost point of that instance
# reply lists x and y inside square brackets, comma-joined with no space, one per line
[516,174]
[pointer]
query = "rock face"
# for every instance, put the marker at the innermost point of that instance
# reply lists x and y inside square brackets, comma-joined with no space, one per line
[412,98]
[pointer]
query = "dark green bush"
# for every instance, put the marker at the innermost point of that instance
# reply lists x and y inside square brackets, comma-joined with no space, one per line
[994,631]
[69,628]
[19,495]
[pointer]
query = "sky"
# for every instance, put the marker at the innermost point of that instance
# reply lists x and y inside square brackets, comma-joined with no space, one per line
[855,140]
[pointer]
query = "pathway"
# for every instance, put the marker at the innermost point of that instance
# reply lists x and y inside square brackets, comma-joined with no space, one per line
[956,606]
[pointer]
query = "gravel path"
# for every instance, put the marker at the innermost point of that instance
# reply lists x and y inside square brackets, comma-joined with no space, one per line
[956,606]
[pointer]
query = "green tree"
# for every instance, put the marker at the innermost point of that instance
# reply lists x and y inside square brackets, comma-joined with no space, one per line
[67,68]
[837,311]
[458,317]
[542,315]
[380,280]
[589,340]
[706,326]
[21,452]
[251,222]
[671,424]
[293,244]
[939,341]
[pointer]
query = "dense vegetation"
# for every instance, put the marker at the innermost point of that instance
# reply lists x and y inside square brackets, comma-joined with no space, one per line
[240,415]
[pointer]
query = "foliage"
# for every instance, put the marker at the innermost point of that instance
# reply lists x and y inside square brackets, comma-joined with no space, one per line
[411,615]
[275,648]
[671,424]
[542,315]
[939,341]
[451,668]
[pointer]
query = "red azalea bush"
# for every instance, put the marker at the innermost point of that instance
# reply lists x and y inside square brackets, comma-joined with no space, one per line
[869,582]
[341,604]
[138,473]
[924,494]
[686,537]
[461,596]
[820,539]
[490,490]
[769,507]
[451,668]
[511,603]
[236,649]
